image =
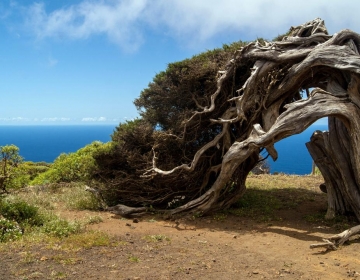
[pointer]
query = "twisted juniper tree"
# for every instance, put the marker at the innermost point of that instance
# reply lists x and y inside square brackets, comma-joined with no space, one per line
[206,121]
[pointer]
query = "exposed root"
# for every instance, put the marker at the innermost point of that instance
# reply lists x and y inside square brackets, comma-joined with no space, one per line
[335,241]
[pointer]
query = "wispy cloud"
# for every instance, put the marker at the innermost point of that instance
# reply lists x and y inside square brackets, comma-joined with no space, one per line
[15,119]
[124,21]
[116,19]
[101,119]
[55,119]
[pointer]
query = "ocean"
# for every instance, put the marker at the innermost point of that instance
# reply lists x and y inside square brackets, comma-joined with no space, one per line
[293,156]
[46,143]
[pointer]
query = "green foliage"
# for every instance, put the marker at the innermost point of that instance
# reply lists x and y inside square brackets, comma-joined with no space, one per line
[59,227]
[9,163]
[94,220]
[73,167]
[24,173]
[33,169]
[156,238]
[9,230]
[10,154]
[171,98]
[133,259]
[21,212]
[30,211]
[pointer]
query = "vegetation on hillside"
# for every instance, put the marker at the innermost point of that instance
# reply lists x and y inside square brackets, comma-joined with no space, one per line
[73,167]
[31,190]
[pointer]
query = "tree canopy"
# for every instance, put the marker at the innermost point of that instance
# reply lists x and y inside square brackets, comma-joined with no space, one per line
[206,120]
[9,161]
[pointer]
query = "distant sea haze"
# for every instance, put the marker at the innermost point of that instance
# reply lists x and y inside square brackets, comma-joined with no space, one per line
[46,143]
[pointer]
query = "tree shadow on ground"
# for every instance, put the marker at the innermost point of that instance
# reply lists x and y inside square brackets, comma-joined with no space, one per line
[294,212]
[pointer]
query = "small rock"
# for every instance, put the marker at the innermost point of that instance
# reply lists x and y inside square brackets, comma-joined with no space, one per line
[234,236]
[128,225]
[255,272]
[135,220]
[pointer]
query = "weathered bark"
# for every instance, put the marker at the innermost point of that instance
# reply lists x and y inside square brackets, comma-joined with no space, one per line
[325,148]
[335,241]
[127,212]
[269,107]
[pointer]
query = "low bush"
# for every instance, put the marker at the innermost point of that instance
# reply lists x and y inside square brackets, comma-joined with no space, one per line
[9,230]
[20,212]
[59,227]
[72,167]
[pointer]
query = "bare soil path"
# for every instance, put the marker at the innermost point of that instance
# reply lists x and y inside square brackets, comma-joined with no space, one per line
[223,246]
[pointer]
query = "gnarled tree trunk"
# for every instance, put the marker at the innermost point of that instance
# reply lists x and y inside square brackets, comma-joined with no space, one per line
[269,107]
[330,152]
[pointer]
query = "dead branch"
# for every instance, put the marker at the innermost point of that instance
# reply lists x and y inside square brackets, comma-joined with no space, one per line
[335,241]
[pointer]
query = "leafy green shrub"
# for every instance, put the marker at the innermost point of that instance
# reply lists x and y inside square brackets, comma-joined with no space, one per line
[9,230]
[33,169]
[60,228]
[21,212]
[72,167]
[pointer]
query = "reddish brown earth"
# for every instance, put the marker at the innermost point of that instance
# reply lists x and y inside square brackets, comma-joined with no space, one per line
[214,247]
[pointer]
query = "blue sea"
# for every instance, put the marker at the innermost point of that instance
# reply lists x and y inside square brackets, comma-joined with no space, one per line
[293,156]
[46,143]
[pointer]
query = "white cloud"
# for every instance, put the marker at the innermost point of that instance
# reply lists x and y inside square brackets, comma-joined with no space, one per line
[101,119]
[124,21]
[20,119]
[208,18]
[55,119]
[116,19]
[14,119]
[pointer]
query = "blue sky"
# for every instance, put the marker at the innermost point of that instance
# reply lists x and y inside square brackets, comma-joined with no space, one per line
[85,61]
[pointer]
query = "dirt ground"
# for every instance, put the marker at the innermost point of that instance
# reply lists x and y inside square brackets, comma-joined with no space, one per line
[213,247]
